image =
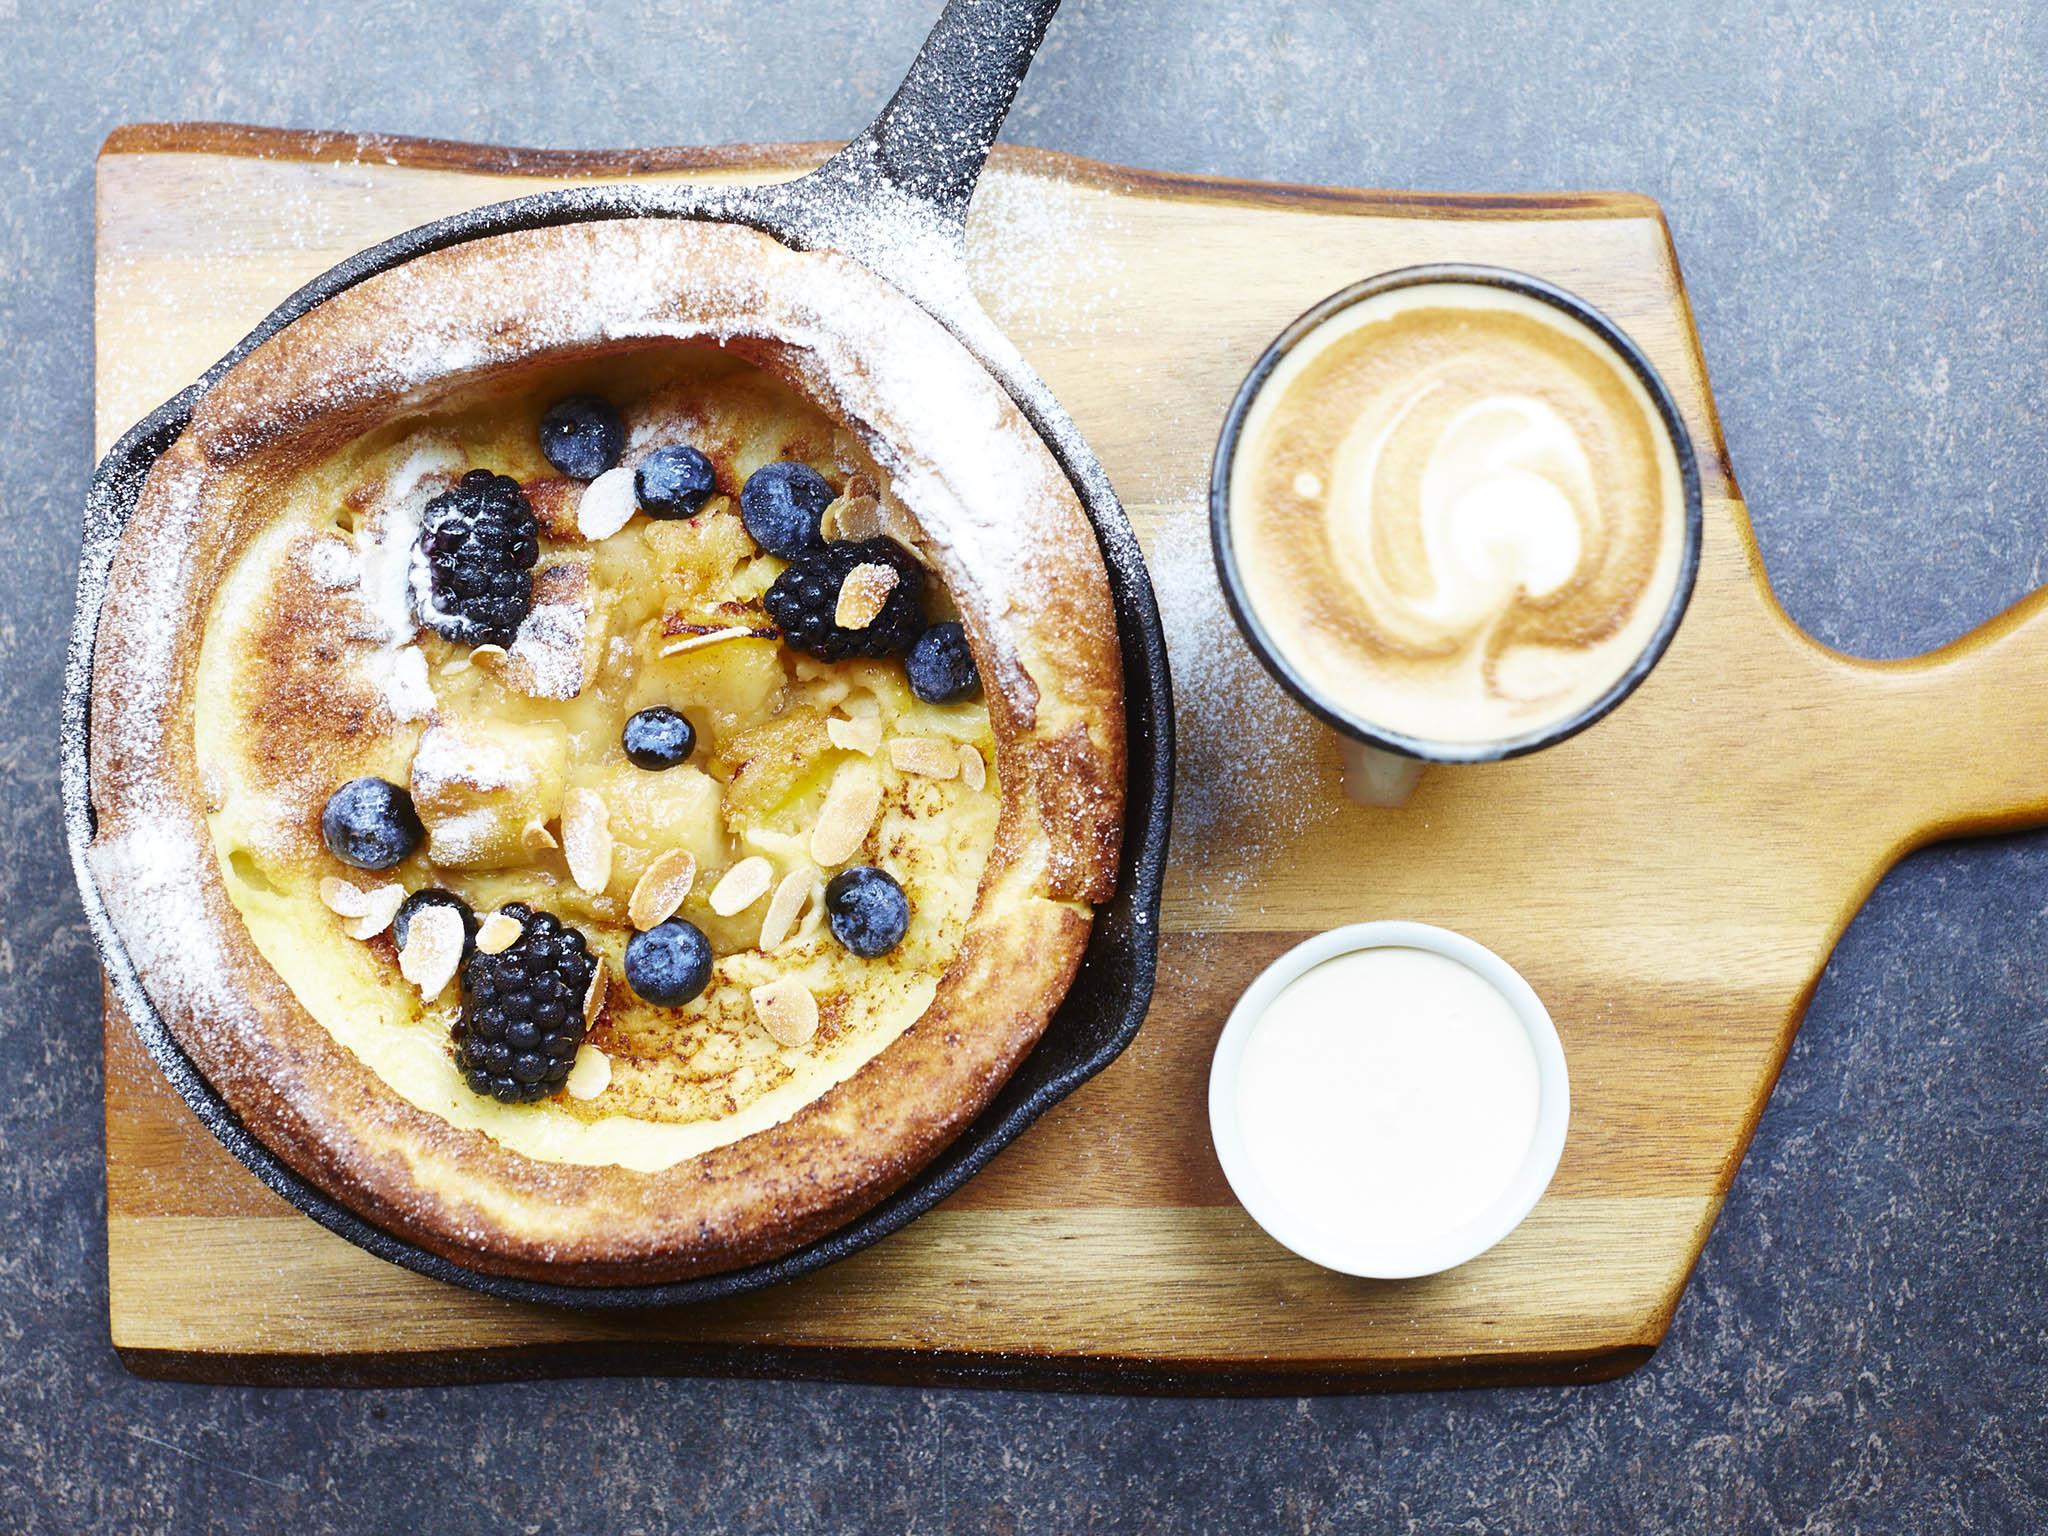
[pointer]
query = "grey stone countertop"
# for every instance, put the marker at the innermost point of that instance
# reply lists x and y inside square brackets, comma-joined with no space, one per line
[1859,193]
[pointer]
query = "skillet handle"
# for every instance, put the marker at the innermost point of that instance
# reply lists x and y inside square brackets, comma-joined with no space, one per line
[930,142]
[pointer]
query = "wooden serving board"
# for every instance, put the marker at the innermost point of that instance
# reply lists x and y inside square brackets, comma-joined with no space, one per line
[1671,881]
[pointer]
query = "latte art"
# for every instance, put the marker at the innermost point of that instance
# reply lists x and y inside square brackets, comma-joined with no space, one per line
[1457,511]
[1442,517]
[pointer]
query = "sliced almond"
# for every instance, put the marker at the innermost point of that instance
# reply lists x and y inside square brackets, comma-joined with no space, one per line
[380,908]
[587,839]
[849,810]
[341,898]
[898,524]
[591,1074]
[863,593]
[929,756]
[364,914]
[593,996]
[786,1009]
[742,885]
[684,643]
[488,656]
[608,504]
[973,768]
[855,514]
[862,735]
[433,950]
[498,933]
[783,908]
[661,889]
[536,837]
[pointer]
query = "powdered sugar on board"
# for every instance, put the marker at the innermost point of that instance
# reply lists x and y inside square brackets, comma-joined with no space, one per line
[1043,256]
[1254,768]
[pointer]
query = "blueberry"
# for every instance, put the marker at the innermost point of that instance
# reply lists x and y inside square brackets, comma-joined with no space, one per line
[941,667]
[674,481]
[371,824]
[669,964]
[433,896]
[658,738]
[782,505]
[867,910]
[582,436]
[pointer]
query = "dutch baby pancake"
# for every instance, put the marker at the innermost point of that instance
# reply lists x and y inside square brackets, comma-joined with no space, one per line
[606,741]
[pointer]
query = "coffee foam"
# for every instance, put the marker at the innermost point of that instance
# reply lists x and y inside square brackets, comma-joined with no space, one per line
[1457,512]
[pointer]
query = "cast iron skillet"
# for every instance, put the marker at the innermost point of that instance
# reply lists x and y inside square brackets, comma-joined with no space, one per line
[896,200]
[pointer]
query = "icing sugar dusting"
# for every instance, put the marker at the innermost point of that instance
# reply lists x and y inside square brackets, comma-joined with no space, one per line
[332,564]
[382,576]
[149,872]
[401,677]
[1253,770]
[464,836]
[148,865]
[546,660]
[158,589]
[454,757]
[394,576]
[1043,256]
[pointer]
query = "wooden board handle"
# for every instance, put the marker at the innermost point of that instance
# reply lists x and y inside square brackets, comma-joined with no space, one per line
[1963,730]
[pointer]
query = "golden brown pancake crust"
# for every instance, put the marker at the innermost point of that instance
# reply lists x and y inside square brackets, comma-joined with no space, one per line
[1000,521]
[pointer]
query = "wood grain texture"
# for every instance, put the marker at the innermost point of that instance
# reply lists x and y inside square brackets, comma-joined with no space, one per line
[1671,882]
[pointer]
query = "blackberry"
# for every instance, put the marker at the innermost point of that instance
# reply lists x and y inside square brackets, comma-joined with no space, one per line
[941,668]
[522,1010]
[582,436]
[866,910]
[805,595]
[472,571]
[782,505]
[370,823]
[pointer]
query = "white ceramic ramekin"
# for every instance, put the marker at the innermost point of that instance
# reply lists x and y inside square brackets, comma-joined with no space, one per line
[1394,1259]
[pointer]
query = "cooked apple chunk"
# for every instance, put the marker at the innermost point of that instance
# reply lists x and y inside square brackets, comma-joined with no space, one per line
[477,788]
[652,814]
[775,767]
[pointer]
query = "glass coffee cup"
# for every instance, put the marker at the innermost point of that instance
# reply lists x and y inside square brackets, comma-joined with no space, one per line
[1457,515]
